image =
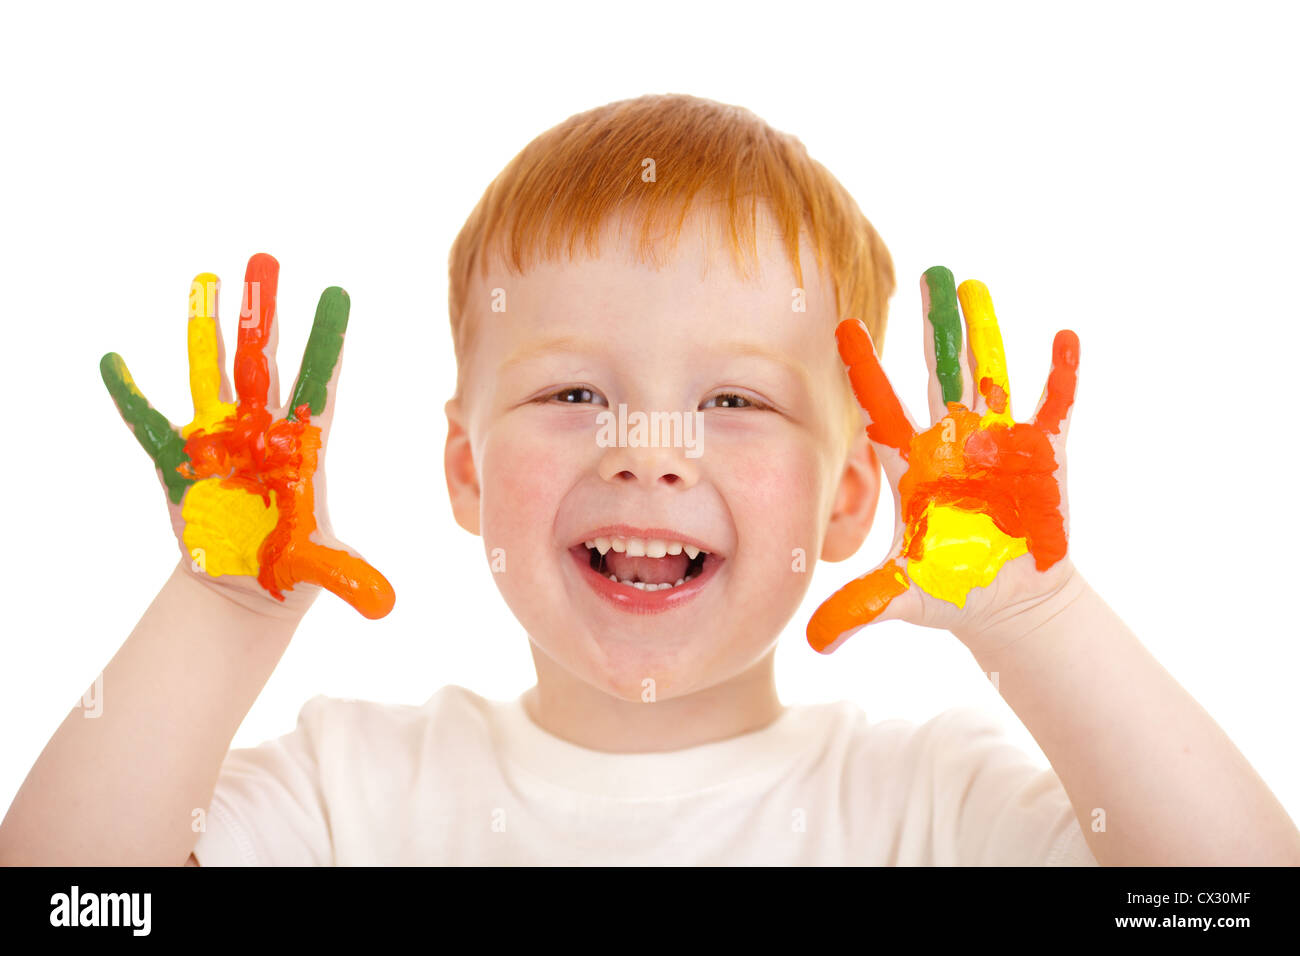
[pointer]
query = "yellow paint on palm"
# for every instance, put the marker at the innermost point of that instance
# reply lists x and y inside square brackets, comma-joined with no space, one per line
[225,527]
[963,550]
[986,346]
[205,357]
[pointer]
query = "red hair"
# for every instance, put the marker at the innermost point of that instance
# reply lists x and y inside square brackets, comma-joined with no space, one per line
[569,181]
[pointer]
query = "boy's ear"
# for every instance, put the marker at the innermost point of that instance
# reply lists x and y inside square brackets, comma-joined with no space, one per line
[855,502]
[462,479]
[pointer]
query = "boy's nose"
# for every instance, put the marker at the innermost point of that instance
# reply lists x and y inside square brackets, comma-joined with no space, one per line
[651,467]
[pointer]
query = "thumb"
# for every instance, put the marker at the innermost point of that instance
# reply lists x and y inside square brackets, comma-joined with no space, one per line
[345,574]
[857,604]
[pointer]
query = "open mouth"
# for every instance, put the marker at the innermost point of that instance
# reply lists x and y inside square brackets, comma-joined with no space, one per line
[649,574]
[647,565]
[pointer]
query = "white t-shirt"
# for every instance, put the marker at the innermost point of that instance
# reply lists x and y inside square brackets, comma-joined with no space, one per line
[468,781]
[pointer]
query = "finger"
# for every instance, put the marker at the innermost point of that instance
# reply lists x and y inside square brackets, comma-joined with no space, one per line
[855,605]
[944,355]
[1057,401]
[208,386]
[889,424]
[318,373]
[156,435]
[346,575]
[992,389]
[255,372]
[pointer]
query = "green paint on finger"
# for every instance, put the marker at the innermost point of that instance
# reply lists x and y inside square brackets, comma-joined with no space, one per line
[152,429]
[945,321]
[321,356]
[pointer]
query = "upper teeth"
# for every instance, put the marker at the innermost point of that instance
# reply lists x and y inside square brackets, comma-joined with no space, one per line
[641,548]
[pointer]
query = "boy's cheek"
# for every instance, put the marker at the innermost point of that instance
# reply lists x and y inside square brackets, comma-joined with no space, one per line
[525,462]
[783,500]
[787,484]
[522,481]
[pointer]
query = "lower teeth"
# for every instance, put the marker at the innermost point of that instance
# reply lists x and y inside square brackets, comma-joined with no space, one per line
[642,586]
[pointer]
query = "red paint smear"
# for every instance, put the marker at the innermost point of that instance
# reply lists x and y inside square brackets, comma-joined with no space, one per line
[261,456]
[1061,383]
[995,396]
[1005,471]
[889,424]
[261,282]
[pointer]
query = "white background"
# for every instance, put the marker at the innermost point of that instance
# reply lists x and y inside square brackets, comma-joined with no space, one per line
[1127,170]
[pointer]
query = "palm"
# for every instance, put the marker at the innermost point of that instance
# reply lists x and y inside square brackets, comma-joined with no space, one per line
[981,521]
[243,479]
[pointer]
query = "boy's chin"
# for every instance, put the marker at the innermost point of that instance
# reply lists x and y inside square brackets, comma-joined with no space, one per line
[646,671]
[639,688]
[632,669]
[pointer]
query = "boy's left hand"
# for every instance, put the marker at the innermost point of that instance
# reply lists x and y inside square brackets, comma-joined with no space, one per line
[981,519]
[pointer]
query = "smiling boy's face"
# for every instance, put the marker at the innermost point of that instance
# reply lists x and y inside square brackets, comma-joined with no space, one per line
[531,468]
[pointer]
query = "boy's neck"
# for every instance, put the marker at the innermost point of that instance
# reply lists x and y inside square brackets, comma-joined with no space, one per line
[586,716]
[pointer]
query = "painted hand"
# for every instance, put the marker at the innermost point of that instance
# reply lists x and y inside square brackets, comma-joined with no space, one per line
[981,518]
[244,480]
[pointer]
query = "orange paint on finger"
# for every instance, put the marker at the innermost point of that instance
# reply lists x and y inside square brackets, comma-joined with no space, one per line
[345,575]
[859,602]
[889,424]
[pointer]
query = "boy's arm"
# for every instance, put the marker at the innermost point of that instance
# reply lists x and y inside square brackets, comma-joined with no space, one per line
[244,488]
[980,549]
[1127,740]
[121,788]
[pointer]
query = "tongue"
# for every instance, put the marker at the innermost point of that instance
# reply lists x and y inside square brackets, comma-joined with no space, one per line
[665,570]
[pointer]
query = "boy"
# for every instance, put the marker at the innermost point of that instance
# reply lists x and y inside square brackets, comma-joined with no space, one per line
[651,576]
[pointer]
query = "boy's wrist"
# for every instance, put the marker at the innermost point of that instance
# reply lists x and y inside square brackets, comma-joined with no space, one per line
[1018,625]
[248,609]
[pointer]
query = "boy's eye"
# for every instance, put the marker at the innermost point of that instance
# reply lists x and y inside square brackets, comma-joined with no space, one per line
[732,400]
[577,395]
[581,395]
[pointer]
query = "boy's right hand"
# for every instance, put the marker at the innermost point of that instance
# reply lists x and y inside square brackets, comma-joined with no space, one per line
[244,480]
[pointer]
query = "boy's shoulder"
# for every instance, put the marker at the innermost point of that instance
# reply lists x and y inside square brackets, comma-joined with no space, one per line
[372,719]
[956,742]
[449,697]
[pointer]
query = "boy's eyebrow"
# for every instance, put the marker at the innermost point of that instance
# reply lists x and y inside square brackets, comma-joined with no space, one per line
[571,343]
[558,343]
